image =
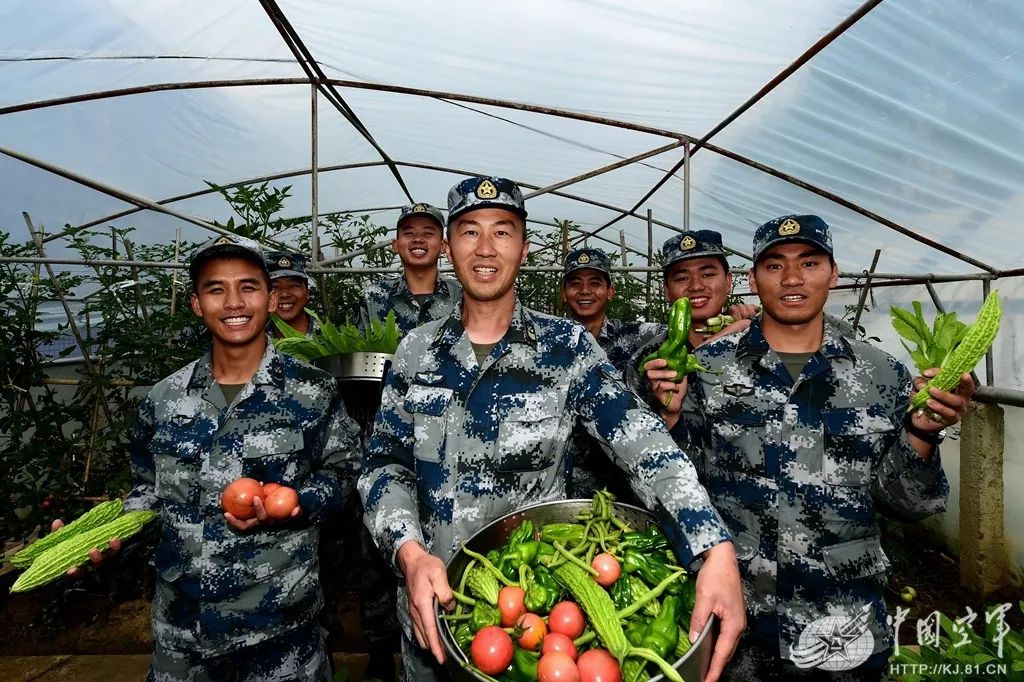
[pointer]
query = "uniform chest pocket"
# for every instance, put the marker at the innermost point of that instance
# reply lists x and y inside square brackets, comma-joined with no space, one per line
[428,406]
[737,441]
[176,464]
[527,431]
[276,456]
[855,439]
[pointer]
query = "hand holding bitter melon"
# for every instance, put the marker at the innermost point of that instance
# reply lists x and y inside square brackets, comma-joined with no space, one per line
[70,546]
[944,354]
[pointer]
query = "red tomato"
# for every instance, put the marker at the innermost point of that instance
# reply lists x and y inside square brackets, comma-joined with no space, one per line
[269,488]
[491,650]
[47,502]
[237,498]
[280,503]
[597,665]
[557,642]
[566,618]
[510,603]
[607,568]
[557,667]
[534,630]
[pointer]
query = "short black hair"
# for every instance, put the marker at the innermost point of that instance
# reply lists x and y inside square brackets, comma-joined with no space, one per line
[226,253]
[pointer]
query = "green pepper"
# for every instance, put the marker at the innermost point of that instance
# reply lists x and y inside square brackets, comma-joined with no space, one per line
[635,630]
[483,615]
[463,636]
[566,533]
[652,569]
[673,348]
[520,550]
[648,541]
[524,665]
[543,592]
[663,631]
[494,556]
[545,549]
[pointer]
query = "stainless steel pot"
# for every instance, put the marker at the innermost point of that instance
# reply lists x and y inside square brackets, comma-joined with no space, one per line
[692,667]
[355,366]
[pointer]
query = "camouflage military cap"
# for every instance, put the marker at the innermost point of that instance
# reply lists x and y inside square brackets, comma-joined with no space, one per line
[431,212]
[692,244]
[587,258]
[281,264]
[485,192]
[225,246]
[792,228]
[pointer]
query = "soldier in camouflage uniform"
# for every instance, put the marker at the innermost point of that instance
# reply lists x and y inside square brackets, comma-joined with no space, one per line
[474,422]
[587,289]
[806,435]
[420,293]
[694,267]
[238,599]
[289,279]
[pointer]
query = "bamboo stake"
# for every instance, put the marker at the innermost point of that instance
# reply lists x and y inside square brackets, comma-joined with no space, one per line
[174,277]
[138,287]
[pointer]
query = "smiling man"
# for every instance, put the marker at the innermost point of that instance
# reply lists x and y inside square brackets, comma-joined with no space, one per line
[474,422]
[806,435]
[694,267]
[420,293]
[290,282]
[238,599]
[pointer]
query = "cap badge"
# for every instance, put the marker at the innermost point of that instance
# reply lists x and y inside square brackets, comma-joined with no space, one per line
[789,227]
[486,190]
[688,242]
[224,240]
[583,259]
[284,262]
[419,208]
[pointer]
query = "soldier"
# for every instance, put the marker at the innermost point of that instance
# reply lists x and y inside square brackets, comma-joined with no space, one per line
[587,289]
[238,599]
[474,422]
[289,279]
[420,293]
[806,435]
[696,268]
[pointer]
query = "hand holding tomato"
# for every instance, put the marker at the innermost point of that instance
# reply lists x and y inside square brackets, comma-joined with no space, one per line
[248,503]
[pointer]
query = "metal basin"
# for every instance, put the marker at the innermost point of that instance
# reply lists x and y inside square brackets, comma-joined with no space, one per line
[692,667]
[355,366]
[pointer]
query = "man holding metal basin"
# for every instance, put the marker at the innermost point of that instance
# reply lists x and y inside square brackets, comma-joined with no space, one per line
[474,423]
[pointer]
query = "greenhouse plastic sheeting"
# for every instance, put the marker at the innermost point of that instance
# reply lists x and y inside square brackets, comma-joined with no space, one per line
[913,113]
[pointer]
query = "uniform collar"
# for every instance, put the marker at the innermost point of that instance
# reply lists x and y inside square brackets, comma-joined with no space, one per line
[402,286]
[833,344]
[269,373]
[522,329]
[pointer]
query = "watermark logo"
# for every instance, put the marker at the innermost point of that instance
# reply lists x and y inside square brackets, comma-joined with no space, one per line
[835,643]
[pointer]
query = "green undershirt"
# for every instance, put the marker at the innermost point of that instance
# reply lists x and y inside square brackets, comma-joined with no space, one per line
[481,351]
[794,362]
[230,391]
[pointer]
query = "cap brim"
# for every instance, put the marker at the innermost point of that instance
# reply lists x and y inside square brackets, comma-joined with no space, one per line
[791,240]
[691,256]
[456,213]
[277,274]
[426,214]
[587,266]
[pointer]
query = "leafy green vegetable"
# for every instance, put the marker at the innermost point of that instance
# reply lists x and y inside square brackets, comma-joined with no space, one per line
[933,344]
[334,340]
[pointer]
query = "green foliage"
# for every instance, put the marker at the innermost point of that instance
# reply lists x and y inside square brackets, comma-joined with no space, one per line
[933,344]
[382,337]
